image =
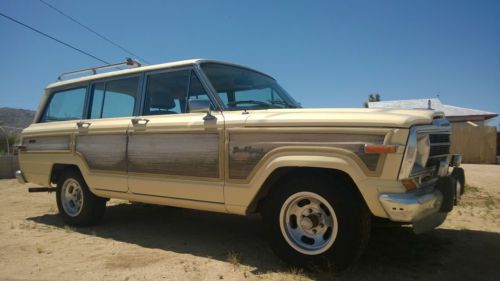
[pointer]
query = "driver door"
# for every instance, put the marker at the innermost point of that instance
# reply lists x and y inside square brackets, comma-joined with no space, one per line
[171,152]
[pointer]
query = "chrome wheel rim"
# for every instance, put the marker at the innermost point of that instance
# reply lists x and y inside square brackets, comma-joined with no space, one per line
[308,223]
[72,197]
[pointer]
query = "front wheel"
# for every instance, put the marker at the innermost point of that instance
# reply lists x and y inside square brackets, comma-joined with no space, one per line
[77,205]
[317,221]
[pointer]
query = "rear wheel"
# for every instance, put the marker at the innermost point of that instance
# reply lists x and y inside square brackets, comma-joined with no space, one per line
[317,221]
[77,205]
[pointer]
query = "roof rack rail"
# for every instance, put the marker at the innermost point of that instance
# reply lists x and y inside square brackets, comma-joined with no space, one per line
[128,62]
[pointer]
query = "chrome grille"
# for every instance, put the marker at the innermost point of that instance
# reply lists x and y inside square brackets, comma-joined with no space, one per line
[439,138]
[440,148]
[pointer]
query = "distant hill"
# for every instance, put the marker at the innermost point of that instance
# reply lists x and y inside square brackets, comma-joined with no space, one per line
[15,119]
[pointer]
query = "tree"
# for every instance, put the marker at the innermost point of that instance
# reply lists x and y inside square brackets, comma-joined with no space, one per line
[371,98]
[9,138]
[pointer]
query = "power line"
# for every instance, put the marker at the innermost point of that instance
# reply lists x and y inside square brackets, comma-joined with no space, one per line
[93,31]
[55,39]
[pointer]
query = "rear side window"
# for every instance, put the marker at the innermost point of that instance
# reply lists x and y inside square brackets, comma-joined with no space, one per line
[115,98]
[65,105]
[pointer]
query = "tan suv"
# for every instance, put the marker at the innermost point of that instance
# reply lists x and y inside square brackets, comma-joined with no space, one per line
[221,137]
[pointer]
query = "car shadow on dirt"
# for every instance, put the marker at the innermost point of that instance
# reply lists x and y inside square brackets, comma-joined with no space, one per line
[394,253]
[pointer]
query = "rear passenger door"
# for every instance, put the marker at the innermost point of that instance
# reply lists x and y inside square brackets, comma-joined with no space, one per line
[171,152]
[101,139]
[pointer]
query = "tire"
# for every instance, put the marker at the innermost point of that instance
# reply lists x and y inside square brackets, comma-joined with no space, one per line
[77,205]
[340,219]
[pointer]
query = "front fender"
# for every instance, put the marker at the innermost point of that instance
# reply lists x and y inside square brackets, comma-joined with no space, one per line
[240,194]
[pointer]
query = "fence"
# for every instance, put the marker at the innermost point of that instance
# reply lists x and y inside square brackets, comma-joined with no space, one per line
[8,166]
[476,144]
[498,144]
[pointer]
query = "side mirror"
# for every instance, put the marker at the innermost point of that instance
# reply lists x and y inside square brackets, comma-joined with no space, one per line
[201,106]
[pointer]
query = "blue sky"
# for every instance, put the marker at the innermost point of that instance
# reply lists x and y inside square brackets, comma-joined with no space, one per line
[325,53]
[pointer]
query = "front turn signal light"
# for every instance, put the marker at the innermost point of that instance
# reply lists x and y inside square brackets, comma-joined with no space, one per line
[409,184]
[381,148]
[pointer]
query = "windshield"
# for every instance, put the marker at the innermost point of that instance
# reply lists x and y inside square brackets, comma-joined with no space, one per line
[240,88]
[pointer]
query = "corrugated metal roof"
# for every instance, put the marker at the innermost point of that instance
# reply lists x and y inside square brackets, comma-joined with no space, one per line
[436,104]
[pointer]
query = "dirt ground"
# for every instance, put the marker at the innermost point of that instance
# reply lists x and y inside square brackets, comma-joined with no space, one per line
[142,242]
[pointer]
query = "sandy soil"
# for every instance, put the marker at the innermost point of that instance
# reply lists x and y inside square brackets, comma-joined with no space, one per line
[141,242]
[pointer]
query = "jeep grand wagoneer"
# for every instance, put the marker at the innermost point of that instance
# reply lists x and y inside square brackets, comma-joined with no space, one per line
[221,137]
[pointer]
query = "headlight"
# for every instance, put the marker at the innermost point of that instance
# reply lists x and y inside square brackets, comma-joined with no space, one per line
[423,150]
[409,156]
[416,154]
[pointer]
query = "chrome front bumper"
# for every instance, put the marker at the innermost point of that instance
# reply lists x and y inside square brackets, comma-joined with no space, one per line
[426,207]
[410,207]
[20,177]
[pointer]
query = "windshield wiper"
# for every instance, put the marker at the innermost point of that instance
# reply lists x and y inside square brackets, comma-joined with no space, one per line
[271,104]
[283,103]
[250,101]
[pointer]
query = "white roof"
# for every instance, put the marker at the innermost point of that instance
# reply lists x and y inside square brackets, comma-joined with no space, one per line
[436,104]
[143,68]
[124,71]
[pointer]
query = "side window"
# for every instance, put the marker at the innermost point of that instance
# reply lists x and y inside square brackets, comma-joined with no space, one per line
[97,100]
[196,90]
[114,98]
[223,97]
[65,105]
[166,93]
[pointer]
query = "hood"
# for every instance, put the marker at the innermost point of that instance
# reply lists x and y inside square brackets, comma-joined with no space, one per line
[355,117]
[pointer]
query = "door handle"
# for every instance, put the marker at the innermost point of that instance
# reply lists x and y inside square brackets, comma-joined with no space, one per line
[82,124]
[139,121]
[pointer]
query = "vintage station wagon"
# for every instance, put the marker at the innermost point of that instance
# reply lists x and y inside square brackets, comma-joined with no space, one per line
[221,137]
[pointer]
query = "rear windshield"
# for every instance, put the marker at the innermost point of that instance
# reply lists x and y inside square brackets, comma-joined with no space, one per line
[65,105]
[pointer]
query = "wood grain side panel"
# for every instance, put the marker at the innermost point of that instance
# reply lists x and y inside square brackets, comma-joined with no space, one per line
[247,149]
[185,154]
[103,152]
[46,143]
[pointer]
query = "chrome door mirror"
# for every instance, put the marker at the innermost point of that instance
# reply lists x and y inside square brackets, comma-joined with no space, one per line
[201,106]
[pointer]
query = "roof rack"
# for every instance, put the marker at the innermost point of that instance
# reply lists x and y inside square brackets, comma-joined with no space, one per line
[128,62]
